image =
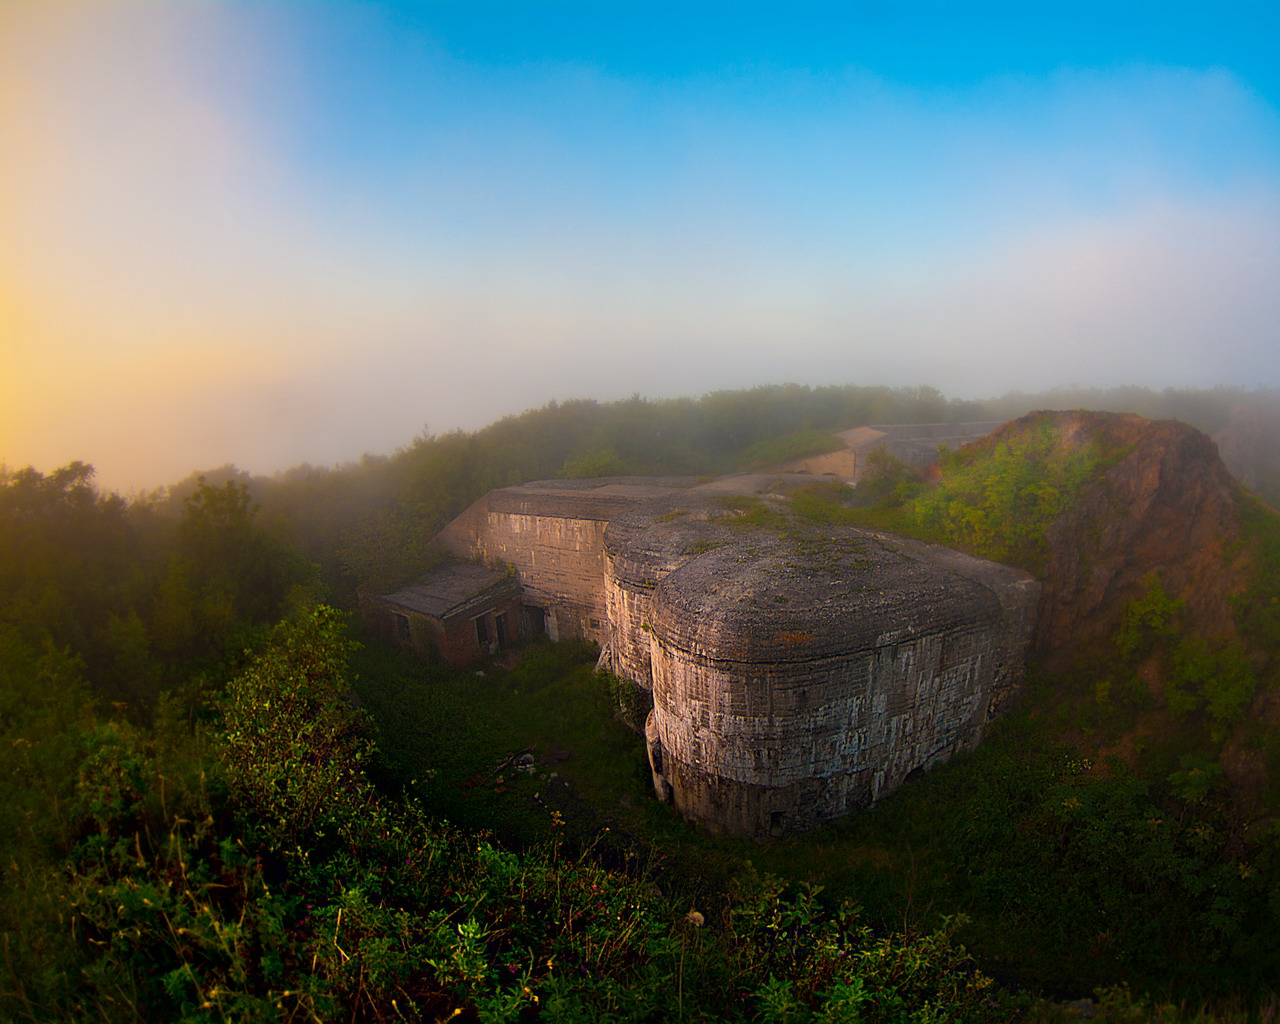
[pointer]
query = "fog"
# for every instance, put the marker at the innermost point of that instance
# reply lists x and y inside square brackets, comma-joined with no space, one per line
[275,233]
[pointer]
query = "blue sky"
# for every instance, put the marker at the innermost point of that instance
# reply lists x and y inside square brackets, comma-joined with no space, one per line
[275,232]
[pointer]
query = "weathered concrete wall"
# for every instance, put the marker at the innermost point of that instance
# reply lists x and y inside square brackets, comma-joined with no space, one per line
[916,444]
[417,633]
[627,612]
[755,748]
[454,638]
[642,546]
[840,463]
[502,626]
[1018,594]
[552,534]
[559,563]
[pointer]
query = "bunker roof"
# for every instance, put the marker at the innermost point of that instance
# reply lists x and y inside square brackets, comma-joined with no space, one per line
[598,499]
[765,600]
[787,590]
[936,433]
[650,540]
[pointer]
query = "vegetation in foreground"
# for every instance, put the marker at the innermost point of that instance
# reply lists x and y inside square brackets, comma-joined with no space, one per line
[250,870]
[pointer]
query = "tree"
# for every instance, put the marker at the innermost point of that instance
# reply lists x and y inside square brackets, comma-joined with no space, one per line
[236,572]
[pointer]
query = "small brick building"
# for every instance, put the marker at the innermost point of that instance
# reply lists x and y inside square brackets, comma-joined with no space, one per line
[463,611]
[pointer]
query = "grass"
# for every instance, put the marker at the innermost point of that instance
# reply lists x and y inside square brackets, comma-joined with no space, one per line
[444,732]
[801,444]
[451,735]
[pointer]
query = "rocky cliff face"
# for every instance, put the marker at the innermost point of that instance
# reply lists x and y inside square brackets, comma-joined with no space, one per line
[1162,503]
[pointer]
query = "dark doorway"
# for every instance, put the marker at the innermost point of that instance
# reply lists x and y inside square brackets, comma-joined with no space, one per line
[535,622]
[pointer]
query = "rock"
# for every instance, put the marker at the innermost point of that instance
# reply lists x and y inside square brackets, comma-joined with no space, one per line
[1166,506]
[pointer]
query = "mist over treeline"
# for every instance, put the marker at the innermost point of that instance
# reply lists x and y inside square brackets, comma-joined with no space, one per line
[365,522]
[364,525]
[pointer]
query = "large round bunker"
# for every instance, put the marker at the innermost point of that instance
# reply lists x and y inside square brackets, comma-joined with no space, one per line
[800,672]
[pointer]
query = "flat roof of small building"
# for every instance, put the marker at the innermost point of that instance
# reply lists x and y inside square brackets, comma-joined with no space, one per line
[449,589]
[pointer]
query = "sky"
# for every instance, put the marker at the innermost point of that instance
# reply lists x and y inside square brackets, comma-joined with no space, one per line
[269,233]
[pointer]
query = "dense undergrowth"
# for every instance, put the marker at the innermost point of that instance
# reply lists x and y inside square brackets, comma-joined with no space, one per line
[250,870]
[994,502]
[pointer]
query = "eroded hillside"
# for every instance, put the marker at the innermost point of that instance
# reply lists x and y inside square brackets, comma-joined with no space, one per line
[1159,614]
[1159,504]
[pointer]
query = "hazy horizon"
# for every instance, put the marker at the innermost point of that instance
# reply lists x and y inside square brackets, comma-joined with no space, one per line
[272,233]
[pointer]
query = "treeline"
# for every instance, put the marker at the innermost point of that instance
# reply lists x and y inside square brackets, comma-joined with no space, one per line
[140,599]
[367,524]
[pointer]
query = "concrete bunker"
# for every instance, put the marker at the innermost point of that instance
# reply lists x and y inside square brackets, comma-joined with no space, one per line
[798,671]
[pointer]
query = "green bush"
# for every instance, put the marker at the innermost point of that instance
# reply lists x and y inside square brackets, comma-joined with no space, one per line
[295,746]
[997,502]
